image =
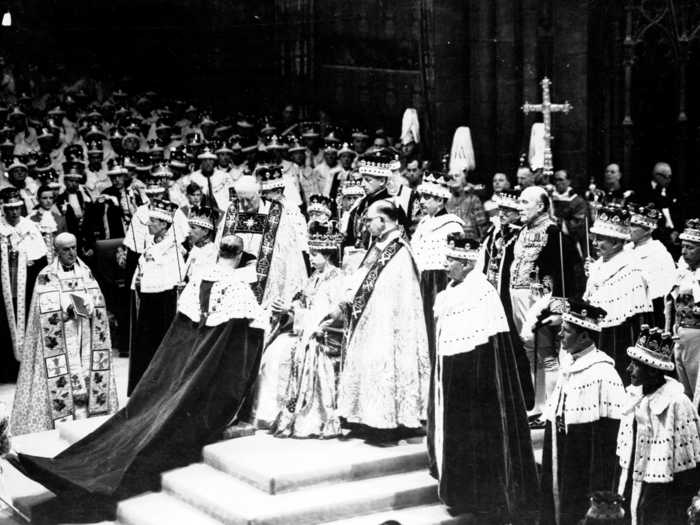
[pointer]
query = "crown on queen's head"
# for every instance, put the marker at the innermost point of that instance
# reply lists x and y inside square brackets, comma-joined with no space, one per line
[612,221]
[324,236]
[462,248]
[435,185]
[654,348]
[645,216]
[691,233]
[320,204]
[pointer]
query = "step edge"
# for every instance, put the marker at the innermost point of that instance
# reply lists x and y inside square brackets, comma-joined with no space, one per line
[126,508]
[420,492]
[293,482]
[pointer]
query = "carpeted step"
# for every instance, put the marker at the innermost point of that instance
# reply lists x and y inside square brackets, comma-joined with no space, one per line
[435,514]
[158,508]
[236,503]
[276,465]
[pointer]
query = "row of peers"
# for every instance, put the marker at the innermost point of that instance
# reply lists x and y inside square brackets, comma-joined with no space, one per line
[642,443]
[630,276]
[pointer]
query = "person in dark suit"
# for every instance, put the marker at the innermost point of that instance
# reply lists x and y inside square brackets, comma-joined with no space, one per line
[658,191]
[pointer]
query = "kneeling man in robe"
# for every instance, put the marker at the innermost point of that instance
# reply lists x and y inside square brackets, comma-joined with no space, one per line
[66,366]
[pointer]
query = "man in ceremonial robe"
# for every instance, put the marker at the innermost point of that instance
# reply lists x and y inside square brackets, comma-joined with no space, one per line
[497,248]
[157,282]
[429,244]
[118,203]
[683,313]
[214,182]
[47,218]
[22,256]
[197,383]
[537,277]
[18,177]
[617,284]
[273,187]
[76,205]
[384,383]
[653,257]
[375,168]
[659,440]
[495,259]
[485,461]
[270,234]
[204,251]
[583,418]
[66,367]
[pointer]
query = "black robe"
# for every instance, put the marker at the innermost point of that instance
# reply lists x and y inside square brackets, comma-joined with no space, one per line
[663,503]
[586,462]
[155,313]
[503,286]
[488,460]
[198,381]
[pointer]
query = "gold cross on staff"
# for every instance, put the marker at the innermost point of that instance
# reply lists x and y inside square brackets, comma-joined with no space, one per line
[547,108]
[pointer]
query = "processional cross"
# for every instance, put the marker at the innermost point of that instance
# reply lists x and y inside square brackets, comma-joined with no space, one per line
[547,108]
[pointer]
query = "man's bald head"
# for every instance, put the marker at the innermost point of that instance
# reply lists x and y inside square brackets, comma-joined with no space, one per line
[382,215]
[247,185]
[534,202]
[231,247]
[66,246]
[64,239]
[386,209]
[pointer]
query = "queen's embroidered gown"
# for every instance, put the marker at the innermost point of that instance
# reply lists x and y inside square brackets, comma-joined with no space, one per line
[290,367]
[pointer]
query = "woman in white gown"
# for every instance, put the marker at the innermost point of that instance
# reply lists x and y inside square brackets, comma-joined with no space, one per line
[296,385]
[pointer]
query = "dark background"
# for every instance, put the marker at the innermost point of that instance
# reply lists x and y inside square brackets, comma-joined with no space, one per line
[460,62]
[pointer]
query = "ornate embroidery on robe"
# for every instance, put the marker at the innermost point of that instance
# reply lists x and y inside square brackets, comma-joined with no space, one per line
[364,292]
[67,389]
[258,224]
[13,272]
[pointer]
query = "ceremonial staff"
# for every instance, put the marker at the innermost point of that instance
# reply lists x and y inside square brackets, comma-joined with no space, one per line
[179,286]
